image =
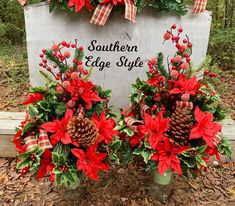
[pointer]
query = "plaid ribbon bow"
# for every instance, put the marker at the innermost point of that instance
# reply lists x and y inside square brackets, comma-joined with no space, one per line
[133,123]
[184,104]
[199,6]
[103,11]
[31,142]
[22,2]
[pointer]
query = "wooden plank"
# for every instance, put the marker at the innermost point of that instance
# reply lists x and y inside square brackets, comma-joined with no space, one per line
[7,148]
[12,115]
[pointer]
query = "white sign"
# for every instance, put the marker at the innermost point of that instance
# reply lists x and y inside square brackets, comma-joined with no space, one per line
[119,50]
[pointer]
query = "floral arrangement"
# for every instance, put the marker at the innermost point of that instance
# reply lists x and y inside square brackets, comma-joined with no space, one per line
[172,119]
[68,130]
[102,9]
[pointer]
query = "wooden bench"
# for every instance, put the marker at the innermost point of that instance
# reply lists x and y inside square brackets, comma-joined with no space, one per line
[10,120]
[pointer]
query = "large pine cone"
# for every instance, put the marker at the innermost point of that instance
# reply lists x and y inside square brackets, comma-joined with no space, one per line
[181,123]
[82,130]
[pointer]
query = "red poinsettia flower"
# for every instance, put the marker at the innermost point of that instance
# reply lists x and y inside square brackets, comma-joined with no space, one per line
[59,128]
[35,97]
[83,89]
[167,156]
[79,4]
[154,81]
[91,161]
[105,128]
[205,128]
[46,165]
[154,127]
[136,140]
[187,86]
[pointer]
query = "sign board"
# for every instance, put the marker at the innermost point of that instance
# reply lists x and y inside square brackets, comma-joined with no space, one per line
[119,50]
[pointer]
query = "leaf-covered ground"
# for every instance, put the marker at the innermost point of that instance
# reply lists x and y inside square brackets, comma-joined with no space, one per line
[122,186]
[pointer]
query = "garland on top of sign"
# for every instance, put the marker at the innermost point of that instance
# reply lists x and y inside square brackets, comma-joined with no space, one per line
[103,8]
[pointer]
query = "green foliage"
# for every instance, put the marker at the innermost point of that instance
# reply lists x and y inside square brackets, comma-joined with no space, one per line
[176,6]
[25,160]
[60,157]
[222,47]
[113,150]
[225,147]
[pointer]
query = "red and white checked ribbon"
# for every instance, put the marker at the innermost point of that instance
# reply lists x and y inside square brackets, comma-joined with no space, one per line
[199,6]
[217,138]
[145,109]
[103,10]
[22,2]
[31,142]
[133,123]
[184,104]
[80,112]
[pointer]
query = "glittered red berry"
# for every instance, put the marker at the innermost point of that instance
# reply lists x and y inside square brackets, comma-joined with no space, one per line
[174,74]
[74,61]
[59,89]
[186,55]
[44,61]
[81,48]
[173,26]
[55,47]
[80,68]
[167,36]
[67,45]
[67,54]
[72,69]
[41,64]
[153,61]
[185,41]
[66,84]
[63,43]
[54,66]
[41,55]
[178,58]
[206,72]
[190,45]
[73,45]
[173,60]
[188,59]
[85,72]
[80,63]
[44,51]
[71,103]
[74,76]
[184,66]
[180,30]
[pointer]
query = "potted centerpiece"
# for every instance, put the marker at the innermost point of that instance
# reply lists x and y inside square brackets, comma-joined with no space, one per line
[172,121]
[68,130]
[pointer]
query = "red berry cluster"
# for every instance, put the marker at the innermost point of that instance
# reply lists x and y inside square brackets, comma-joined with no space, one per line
[64,168]
[33,157]
[182,60]
[210,74]
[60,59]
